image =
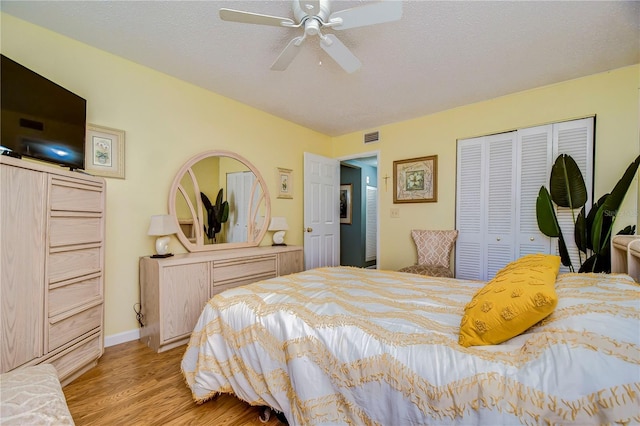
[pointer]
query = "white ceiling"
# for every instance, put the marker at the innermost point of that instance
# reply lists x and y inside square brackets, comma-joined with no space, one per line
[440,55]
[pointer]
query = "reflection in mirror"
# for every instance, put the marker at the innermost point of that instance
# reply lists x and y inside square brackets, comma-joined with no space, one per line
[220,201]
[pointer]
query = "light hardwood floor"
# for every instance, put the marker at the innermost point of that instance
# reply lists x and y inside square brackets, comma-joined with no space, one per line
[133,385]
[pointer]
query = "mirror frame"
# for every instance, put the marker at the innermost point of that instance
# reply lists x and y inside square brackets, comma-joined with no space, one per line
[196,211]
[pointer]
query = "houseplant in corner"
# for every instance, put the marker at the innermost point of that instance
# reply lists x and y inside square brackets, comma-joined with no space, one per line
[217,214]
[592,231]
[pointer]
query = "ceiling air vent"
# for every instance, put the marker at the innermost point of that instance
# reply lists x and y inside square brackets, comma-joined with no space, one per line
[371,137]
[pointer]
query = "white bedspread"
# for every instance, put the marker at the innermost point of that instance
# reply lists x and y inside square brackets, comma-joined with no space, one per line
[358,346]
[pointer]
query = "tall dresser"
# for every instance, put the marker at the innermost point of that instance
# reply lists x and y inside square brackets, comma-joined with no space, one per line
[52,226]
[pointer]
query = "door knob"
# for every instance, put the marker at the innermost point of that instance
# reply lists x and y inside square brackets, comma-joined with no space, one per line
[531,239]
[308,230]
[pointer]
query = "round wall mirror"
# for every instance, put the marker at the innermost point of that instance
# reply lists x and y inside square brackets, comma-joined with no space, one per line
[220,201]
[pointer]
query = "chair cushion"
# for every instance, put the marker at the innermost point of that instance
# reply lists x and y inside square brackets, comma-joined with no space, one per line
[521,294]
[432,271]
[434,247]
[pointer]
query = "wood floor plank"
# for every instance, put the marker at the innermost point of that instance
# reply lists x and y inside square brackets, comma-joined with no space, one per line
[133,385]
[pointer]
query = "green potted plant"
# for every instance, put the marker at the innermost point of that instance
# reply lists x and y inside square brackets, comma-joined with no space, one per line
[592,231]
[217,214]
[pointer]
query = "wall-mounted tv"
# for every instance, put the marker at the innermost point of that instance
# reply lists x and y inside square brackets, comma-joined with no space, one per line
[39,118]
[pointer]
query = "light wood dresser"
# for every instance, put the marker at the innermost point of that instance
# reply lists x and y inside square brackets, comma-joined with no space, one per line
[174,290]
[52,267]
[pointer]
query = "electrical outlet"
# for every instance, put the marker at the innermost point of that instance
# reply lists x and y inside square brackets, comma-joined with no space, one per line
[395,212]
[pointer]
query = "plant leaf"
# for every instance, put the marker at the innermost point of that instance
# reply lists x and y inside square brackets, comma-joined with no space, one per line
[590,218]
[225,212]
[564,253]
[606,214]
[546,214]
[628,230]
[219,199]
[566,184]
[580,231]
[205,201]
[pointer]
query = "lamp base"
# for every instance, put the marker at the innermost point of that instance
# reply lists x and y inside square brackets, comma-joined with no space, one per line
[161,256]
[278,238]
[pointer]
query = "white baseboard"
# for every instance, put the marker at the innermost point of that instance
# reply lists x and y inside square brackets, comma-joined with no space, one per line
[116,339]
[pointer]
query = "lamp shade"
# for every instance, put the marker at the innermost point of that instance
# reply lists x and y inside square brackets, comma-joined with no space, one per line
[278,223]
[162,224]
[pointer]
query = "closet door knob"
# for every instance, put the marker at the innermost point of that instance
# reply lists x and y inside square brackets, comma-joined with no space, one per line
[499,239]
[532,239]
[308,230]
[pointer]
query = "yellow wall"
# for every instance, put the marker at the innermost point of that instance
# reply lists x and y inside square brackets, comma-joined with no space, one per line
[611,96]
[167,121]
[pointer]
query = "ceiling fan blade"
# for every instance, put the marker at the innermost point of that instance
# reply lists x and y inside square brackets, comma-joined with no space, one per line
[369,14]
[254,18]
[340,53]
[288,54]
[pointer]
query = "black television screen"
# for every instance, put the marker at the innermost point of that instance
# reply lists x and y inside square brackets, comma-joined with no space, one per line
[40,119]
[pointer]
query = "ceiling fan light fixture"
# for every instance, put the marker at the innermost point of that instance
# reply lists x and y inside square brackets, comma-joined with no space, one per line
[314,15]
[312,27]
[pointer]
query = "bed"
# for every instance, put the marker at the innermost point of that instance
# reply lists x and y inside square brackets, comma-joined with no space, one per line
[344,345]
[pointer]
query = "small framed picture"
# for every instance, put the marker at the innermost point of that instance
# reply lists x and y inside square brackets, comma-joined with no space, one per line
[285,183]
[346,207]
[416,180]
[104,151]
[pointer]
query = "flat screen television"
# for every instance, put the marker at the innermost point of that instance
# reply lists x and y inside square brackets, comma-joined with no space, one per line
[39,118]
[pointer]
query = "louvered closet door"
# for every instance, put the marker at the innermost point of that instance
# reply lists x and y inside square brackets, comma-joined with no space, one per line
[534,159]
[371,226]
[485,205]
[469,217]
[574,138]
[500,202]
[499,177]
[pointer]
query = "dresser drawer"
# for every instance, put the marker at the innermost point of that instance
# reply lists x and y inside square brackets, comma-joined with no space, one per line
[69,230]
[81,354]
[64,265]
[219,288]
[80,197]
[64,331]
[243,269]
[66,297]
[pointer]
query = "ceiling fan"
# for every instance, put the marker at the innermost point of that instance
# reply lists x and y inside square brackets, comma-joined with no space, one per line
[315,16]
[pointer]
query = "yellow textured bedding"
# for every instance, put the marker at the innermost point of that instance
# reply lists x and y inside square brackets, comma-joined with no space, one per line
[359,346]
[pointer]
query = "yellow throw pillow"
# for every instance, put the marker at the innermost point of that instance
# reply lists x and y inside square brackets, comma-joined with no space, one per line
[520,295]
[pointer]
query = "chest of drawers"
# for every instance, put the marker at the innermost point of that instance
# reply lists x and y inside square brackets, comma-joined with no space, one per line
[174,290]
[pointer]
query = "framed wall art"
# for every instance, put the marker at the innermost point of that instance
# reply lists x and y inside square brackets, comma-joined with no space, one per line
[415,180]
[346,207]
[285,183]
[104,151]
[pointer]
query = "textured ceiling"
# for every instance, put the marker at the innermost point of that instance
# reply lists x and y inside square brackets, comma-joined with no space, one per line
[440,55]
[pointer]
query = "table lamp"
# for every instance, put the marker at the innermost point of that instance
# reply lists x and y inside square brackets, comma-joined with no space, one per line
[278,224]
[162,226]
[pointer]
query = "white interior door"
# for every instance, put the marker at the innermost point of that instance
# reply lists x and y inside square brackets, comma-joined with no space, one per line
[238,193]
[321,211]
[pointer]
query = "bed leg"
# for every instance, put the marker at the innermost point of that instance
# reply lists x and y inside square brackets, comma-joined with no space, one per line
[265,414]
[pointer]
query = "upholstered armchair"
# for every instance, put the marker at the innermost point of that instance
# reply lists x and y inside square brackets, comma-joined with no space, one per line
[434,252]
